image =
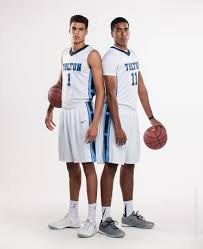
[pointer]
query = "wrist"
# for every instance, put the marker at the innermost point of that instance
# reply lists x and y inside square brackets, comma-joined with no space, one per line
[151,117]
[50,109]
[94,123]
[117,128]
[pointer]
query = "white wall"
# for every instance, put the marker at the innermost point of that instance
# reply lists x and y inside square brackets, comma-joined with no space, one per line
[167,37]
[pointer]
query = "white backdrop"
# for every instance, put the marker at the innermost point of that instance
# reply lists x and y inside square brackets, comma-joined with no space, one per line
[167,37]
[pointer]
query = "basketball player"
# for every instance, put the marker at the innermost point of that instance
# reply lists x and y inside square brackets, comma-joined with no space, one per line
[81,78]
[121,143]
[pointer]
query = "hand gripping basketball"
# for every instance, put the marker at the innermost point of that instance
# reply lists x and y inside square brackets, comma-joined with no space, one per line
[155,138]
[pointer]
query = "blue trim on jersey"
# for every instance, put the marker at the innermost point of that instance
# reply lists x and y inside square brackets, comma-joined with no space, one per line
[107,125]
[71,52]
[91,88]
[91,116]
[89,84]
[123,51]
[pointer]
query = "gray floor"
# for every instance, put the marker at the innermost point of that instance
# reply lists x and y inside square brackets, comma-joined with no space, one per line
[24,225]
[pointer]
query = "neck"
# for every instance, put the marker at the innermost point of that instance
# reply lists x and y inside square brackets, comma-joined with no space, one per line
[76,46]
[123,47]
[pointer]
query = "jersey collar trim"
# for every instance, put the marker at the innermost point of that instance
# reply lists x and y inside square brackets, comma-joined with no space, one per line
[71,52]
[123,51]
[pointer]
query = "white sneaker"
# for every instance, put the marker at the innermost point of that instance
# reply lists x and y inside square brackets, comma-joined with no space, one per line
[66,222]
[88,229]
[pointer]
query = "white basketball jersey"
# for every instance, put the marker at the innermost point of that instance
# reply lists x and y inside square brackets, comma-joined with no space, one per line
[77,85]
[124,65]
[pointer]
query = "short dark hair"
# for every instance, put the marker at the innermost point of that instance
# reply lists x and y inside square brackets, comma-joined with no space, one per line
[117,20]
[79,18]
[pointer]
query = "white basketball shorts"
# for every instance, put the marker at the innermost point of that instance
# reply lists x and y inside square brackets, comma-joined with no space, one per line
[107,149]
[73,126]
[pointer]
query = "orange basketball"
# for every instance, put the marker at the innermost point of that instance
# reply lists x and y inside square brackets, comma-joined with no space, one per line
[155,139]
[54,96]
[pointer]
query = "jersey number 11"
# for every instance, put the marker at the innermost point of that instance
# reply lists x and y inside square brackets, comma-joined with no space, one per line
[134,79]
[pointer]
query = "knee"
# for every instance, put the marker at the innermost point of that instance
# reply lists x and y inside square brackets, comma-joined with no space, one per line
[110,169]
[74,170]
[127,169]
[89,169]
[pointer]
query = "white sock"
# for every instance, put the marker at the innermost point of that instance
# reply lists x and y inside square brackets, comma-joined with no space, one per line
[106,212]
[128,207]
[92,211]
[73,209]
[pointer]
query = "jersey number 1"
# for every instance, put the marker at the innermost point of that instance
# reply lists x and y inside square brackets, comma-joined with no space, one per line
[134,79]
[68,84]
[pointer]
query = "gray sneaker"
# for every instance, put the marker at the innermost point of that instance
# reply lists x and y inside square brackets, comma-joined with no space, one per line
[136,220]
[109,228]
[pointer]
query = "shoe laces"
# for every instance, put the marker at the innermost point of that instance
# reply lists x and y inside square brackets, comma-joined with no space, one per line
[87,224]
[112,223]
[66,216]
[138,215]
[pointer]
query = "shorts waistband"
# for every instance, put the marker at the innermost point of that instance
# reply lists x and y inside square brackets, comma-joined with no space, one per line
[76,105]
[128,108]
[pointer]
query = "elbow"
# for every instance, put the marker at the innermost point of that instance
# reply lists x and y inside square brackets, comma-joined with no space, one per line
[110,96]
[59,83]
[142,92]
[100,91]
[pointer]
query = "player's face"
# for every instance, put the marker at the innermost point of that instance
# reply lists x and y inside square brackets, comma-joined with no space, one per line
[121,34]
[78,32]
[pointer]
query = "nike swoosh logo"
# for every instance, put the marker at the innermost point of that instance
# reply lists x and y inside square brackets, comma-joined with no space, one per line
[82,121]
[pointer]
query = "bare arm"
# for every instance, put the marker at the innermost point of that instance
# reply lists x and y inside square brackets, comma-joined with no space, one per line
[49,115]
[59,83]
[94,61]
[110,82]
[143,95]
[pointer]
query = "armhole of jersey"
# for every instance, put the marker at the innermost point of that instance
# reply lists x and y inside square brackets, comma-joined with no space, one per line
[91,48]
